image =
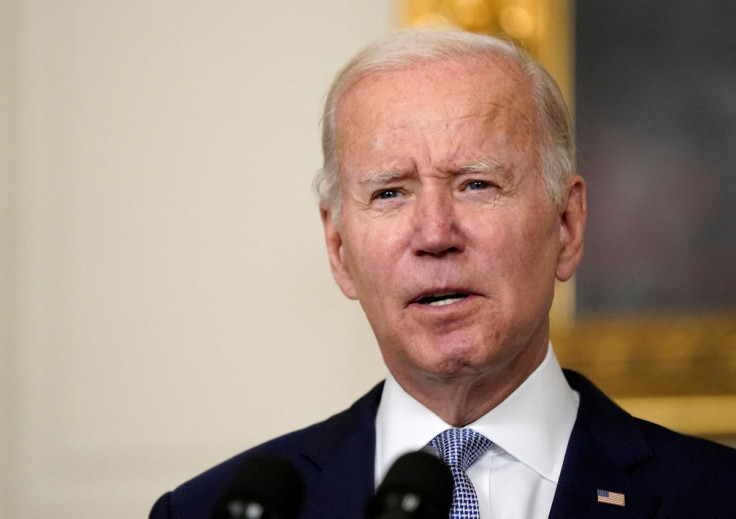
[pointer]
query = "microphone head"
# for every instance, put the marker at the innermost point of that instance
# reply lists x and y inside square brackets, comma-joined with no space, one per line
[265,487]
[418,485]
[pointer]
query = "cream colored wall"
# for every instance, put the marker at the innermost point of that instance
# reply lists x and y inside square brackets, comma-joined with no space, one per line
[167,299]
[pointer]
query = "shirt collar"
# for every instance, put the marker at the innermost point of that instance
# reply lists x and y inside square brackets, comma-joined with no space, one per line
[533,424]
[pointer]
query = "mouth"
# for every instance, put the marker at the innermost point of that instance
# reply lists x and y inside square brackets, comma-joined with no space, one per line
[441,298]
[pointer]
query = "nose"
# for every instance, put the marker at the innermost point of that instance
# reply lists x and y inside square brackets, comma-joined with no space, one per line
[436,226]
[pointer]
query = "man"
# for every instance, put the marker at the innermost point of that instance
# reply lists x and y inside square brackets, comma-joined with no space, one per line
[450,206]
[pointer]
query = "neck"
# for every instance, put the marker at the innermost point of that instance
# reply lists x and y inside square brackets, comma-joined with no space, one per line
[461,399]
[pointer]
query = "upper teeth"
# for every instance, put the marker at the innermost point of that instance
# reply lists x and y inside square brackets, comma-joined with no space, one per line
[443,302]
[441,298]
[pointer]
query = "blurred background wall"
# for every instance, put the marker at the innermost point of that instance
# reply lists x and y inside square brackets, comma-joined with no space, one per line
[167,299]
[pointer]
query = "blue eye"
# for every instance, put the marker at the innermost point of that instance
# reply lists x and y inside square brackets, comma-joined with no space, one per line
[387,193]
[477,185]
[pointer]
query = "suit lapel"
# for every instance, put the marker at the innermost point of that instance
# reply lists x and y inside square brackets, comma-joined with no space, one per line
[341,458]
[589,468]
[606,448]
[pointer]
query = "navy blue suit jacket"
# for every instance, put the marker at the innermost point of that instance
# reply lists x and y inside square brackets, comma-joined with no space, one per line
[662,474]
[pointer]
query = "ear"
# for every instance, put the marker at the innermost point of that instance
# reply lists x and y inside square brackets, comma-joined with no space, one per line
[572,226]
[335,253]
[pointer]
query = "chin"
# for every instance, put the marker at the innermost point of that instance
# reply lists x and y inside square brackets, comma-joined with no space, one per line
[459,353]
[457,362]
[453,369]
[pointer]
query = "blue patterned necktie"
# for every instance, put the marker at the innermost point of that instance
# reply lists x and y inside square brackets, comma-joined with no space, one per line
[459,449]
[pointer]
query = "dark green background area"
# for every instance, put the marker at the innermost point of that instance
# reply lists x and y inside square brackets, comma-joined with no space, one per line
[656,127]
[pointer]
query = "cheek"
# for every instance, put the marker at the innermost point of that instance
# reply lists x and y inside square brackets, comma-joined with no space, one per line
[539,262]
[367,264]
[522,248]
[378,242]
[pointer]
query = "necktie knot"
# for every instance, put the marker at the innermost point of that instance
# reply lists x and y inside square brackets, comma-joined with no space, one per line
[459,449]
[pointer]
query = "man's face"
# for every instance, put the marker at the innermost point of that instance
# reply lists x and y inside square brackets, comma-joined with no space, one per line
[447,236]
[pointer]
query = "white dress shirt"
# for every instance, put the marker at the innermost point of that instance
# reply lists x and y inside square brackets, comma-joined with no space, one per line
[517,477]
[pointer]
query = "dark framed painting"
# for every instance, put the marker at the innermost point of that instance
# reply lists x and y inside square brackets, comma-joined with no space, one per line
[655,97]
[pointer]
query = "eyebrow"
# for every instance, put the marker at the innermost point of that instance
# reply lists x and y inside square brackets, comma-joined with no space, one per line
[381,178]
[483,166]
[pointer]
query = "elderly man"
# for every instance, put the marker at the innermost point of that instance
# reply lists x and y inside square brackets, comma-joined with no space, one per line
[450,206]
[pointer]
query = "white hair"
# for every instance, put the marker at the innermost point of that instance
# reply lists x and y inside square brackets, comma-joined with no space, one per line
[408,48]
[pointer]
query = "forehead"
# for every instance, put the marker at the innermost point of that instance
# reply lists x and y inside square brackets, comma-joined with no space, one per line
[442,91]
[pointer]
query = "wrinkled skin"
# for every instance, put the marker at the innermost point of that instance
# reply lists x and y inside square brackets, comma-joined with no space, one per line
[443,202]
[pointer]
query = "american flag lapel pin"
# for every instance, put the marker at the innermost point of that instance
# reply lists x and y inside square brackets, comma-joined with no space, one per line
[611,498]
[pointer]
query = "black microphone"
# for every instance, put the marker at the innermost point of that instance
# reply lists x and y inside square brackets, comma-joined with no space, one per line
[418,486]
[266,487]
